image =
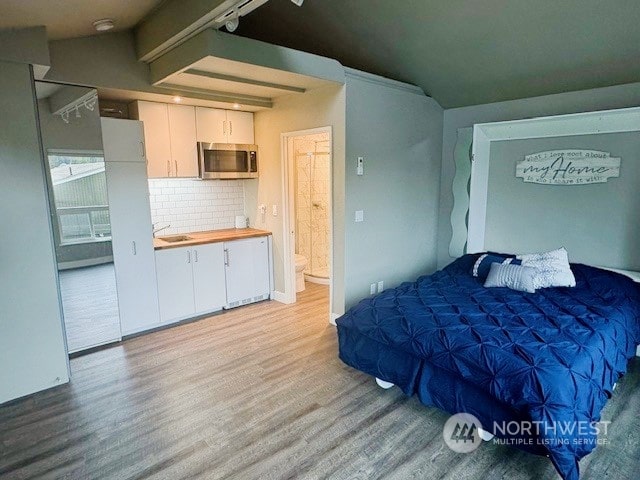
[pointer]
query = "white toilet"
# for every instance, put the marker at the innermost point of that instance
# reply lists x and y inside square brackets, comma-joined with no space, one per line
[301,264]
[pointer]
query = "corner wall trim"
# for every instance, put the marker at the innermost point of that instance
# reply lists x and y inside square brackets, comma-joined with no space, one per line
[383,81]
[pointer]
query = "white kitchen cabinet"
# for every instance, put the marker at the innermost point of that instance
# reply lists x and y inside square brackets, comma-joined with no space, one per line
[175,283]
[211,125]
[131,228]
[155,118]
[170,133]
[247,270]
[184,148]
[191,281]
[224,126]
[240,127]
[209,288]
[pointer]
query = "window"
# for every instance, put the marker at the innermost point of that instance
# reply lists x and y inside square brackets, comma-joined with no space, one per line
[79,186]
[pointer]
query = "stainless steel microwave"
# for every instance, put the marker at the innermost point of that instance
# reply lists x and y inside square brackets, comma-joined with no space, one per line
[227,161]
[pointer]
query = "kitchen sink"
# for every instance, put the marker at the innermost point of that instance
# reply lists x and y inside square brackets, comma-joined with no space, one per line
[176,238]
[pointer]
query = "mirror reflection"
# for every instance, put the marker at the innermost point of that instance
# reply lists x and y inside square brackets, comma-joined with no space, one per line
[72,140]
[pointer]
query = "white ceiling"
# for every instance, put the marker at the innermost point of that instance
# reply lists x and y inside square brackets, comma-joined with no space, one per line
[72,18]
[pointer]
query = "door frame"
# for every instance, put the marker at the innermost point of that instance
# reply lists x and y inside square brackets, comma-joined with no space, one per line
[288,210]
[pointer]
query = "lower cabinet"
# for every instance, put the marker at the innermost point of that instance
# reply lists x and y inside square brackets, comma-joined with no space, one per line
[206,278]
[191,281]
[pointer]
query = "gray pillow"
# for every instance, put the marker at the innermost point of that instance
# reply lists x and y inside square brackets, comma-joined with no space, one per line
[516,277]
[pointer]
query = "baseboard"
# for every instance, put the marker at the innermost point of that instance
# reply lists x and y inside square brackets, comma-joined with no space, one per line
[280,297]
[90,262]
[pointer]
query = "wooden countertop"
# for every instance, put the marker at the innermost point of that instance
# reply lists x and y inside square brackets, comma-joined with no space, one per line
[211,236]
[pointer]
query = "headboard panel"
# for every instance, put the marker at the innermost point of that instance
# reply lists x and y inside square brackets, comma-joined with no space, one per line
[597,223]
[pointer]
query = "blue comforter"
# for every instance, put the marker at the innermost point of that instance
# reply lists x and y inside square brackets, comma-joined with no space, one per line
[553,356]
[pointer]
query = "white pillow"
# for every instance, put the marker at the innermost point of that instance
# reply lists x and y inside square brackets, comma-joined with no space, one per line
[552,268]
[516,277]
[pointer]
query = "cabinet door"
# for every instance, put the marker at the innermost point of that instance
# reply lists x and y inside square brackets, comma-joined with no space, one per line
[247,270]
[133,253]
[240,127]
[211,125]
[125,140]
[209,277]
[175,283]
[184,151]
[155,117]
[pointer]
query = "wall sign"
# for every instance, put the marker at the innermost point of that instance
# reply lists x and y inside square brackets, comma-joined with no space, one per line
[568,167]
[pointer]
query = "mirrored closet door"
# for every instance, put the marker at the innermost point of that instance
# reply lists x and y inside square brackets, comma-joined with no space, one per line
[79,206]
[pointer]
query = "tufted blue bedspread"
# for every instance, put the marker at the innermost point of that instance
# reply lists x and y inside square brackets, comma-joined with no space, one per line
[552,356]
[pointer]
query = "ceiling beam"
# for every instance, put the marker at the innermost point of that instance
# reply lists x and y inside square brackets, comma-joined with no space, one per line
[247,81]
[217,96]
[176,21]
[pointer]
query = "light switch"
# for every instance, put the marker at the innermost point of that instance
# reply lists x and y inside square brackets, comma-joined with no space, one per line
[360,167]
[274,210]
[380,286]
[372,289]
[359,215]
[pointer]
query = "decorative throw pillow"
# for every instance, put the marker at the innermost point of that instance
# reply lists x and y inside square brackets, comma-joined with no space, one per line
[516,277]
[552,268]
[483,264]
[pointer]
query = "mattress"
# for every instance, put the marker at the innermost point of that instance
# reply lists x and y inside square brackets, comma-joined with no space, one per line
[550,357]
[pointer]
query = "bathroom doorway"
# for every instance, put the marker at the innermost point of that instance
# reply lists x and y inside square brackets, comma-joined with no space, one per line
[308,220]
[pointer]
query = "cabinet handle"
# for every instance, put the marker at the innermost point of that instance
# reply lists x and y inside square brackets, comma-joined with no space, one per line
[142,150]
[168,168]
[226,257]
[224,127]
[176,164]
[230,127]
[133,248]
[195,256]
[188,256]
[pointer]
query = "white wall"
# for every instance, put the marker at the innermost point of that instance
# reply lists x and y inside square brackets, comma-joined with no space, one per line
[195,205]
[398,131]
[573,102]
[32,349]
[316,108]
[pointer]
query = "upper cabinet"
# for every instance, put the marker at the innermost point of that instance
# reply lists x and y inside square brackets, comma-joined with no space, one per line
[224,126]
[169,131]
[172,131]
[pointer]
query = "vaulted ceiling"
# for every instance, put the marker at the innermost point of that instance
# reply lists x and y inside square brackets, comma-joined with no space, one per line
[464,52]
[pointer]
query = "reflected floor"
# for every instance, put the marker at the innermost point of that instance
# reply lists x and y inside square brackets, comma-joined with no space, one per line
[90,306]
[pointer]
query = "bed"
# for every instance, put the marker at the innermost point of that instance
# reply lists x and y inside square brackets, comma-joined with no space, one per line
[550,358]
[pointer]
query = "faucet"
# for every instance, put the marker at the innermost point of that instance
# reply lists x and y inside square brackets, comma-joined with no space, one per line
[156,230]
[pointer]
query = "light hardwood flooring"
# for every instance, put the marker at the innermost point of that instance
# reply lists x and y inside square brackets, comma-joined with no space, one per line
[90,306]
[259,393]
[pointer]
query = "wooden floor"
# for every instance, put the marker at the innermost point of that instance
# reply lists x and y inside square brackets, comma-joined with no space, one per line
[259,393]
[90,306]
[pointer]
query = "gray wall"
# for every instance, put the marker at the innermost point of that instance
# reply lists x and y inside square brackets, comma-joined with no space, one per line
[597,223]
[572,102]
[32,349]
[399,132]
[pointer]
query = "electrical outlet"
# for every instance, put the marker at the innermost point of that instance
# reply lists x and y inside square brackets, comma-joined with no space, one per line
[360,167]
[380,286]
[274,210]
[359,215]
[373,289]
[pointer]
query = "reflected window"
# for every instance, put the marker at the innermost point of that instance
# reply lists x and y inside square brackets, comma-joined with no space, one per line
[79,187]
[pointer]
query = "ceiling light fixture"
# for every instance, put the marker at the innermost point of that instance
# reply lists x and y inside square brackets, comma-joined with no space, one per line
[237,106]
[177,99]
[103,25]
[298,2]
[233,21]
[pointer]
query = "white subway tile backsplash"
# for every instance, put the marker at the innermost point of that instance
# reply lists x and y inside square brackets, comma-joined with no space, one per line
[195,205]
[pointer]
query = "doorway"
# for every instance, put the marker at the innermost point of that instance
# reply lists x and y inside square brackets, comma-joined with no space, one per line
[308,220]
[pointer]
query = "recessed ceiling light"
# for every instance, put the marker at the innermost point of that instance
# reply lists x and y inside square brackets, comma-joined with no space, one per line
[177,99]
[237,106]
[103,25]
